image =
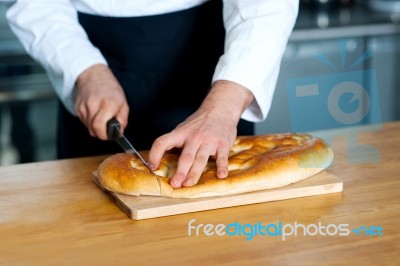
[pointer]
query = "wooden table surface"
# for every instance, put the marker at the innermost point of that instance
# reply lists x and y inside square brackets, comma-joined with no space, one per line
[51,213]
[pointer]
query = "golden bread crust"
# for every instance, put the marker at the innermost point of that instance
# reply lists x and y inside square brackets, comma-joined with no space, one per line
[255,163]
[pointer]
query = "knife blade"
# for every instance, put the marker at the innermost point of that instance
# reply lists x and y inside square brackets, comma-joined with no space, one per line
[114,133]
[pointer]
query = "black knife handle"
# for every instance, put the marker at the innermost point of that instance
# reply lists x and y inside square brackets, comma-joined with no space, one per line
[113,129]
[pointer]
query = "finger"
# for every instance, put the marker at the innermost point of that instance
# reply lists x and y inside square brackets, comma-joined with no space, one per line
[82,113]
[185,162]
[86,112]
[222,161]
[86,119]
[99,124]
[160,146]
[101,115]
[122,116]
[199,163]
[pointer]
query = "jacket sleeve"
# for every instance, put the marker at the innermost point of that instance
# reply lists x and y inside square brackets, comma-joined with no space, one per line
[51,34]
[257,32]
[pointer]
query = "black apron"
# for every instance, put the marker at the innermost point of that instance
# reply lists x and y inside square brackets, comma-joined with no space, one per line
[165,65]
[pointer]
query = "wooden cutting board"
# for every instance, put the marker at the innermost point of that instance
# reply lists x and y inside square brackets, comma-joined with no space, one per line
[145,207]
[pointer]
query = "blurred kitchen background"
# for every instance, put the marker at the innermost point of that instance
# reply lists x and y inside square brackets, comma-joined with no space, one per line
[330,29]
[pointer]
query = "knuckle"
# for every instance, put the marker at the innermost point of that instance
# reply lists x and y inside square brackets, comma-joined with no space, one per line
[157,150]
[222,162]
[106,103]
[223,142]
[160,142]
[186,157]
[81,110]
[201,157]
[97,124]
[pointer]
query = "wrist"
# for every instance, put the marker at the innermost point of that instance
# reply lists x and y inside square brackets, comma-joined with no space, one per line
[89,72]
[236,96]
[228,98]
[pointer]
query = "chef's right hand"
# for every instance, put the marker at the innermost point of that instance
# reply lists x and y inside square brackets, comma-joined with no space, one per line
[100,97]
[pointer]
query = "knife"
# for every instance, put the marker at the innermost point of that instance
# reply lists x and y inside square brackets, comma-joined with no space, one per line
[114,133]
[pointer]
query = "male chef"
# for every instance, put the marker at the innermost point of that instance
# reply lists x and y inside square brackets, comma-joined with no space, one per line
[187,74]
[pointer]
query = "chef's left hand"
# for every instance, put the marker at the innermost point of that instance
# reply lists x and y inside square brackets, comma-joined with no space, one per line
[210,131]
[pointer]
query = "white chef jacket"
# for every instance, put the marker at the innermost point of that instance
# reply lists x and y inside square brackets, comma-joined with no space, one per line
[256,36]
